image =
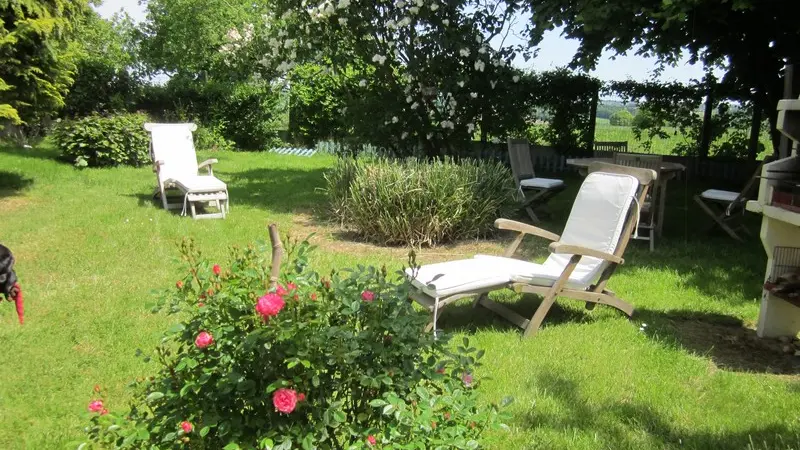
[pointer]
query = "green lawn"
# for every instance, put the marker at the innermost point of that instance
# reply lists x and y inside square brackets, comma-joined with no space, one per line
[91,245]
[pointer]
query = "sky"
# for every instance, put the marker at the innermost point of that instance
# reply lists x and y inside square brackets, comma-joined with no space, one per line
[554,51]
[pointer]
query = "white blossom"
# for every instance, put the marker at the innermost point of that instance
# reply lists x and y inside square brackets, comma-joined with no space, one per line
[413,10]
[404,135]
[460,84]
[420,3]
[362,83]
[287,14]
[470,127]
[329,10]
[233,35]
[482,50]
[343,4]
[446,22]
[515,78]
[447,124]
[429,136]
[493,83]
[400,4]
[479,39]
[289,43]
[479,65]
[391,24]
[473,94]
[409,99]
[284,66]
[464,52]
[380,59]
[405,21]
[434,6]
[395,119]
[494,140]
[414,105]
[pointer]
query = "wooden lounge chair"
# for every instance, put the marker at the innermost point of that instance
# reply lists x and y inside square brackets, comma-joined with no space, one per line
[581,260]
[726,208]
[651,206]
[535,191]
[175,164]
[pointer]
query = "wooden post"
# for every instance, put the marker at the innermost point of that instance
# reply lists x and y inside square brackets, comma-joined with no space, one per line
[592,123]
[789,75]
[277,254]
[755,132]
[705,139]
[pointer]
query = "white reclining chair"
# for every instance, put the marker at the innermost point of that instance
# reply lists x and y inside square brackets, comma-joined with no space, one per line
[175,164]
[581,262]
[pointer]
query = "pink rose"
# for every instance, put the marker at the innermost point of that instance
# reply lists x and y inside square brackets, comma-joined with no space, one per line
[103,412]
[301,397]
[216,269]
[270,304]
[281,291]
[291,286]
[313,296]
[203,340]
[96,406]
[368,296]
[467,379]
[285,400]
[186,427]
[371,440]
[179,284]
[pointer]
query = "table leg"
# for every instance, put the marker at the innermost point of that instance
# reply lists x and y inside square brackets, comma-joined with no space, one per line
[662,198]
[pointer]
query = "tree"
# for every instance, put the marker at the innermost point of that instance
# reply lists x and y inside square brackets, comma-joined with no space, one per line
[424,73]
[621,118]
[36,56]
[750,39]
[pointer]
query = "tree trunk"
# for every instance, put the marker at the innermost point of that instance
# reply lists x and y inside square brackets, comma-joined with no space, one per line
[590,130]
[755,132]
[705,138]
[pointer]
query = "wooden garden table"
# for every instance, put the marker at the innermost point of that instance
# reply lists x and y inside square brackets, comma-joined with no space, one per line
[669,170]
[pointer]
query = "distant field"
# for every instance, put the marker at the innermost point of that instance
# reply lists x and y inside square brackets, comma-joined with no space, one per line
[604,131]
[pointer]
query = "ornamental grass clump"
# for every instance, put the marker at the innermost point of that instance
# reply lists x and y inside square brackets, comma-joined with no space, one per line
[414,202]
[300,361]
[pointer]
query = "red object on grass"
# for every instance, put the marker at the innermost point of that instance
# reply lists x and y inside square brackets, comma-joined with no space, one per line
[19,304]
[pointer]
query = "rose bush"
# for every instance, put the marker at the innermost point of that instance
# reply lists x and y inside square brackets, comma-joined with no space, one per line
[329,363]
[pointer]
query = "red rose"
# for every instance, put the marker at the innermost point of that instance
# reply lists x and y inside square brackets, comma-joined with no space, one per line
[285,400]
[326,283]
[187,427]
[368,296]
[270,304]
[446,416]
[314,296]
[291,286]
[179,284]
[200,304]
[216,269]
[301,397]
[103,412]
[371,440]
[96,406]
[280,290]
[203,340]
[296,297]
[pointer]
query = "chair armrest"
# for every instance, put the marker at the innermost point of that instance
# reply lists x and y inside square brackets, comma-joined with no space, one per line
[561,248]
[207,162]
[505,224]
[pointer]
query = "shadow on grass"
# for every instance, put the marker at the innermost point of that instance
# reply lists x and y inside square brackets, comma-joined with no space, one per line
[12,183]
[278,190]
[625,424]
[722,339]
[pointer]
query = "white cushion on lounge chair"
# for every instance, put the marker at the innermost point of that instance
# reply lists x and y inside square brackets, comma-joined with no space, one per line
[541,183]
[716,194]
[538,274]
[452,277]
[174,147]
[199,183]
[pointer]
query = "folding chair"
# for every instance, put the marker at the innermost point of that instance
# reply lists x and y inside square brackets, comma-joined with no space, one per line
[535,191]
[581,260]
[650,208]
[726,208]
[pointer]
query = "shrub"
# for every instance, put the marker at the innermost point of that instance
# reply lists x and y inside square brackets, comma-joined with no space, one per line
[313,363]
[621,118]
[100,87]
[412,202]
[97,141]
[211,138]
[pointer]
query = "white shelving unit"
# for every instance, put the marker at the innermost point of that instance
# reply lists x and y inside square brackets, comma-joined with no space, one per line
[779,228]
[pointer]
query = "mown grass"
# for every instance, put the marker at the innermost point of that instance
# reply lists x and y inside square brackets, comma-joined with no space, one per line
[91,245]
